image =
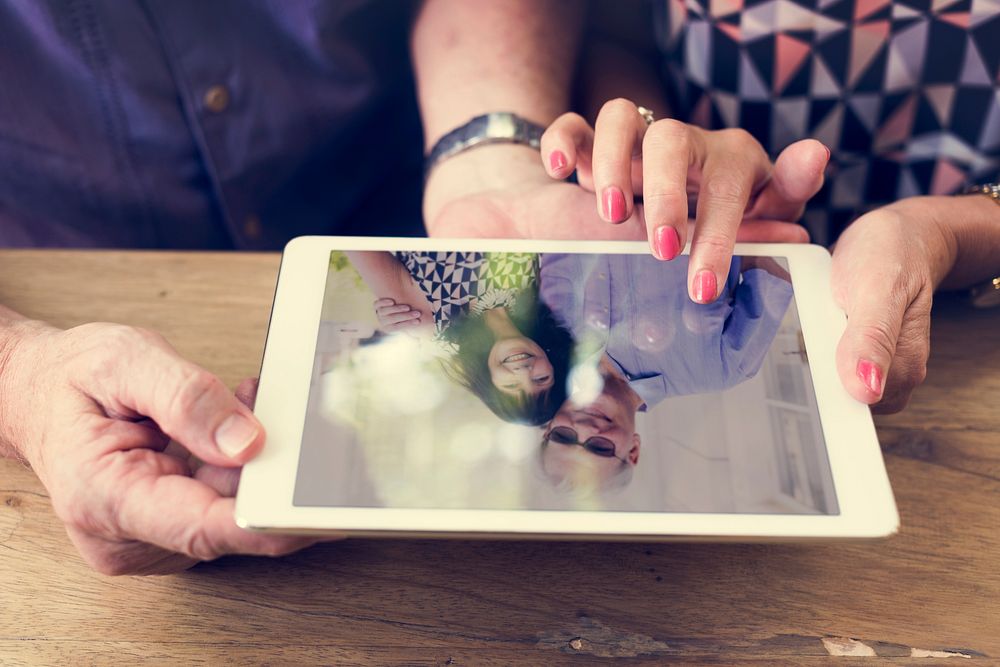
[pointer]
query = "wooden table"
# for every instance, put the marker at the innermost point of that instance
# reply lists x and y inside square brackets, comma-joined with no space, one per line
[933,590]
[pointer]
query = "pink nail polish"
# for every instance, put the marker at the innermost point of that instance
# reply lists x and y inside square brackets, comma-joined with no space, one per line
[705,286]
[666,242]
[614,204]
[557,161]
[871,375]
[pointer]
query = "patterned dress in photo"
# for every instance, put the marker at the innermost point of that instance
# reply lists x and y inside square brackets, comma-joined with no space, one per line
[459,283]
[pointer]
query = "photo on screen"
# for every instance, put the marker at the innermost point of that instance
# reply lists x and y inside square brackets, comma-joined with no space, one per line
[560,381]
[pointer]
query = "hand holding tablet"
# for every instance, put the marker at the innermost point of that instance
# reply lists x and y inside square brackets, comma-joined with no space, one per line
[560,390]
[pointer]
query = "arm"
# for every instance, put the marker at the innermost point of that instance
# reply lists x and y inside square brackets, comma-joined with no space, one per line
[973,222]
[13,326]
[472,58]
[389,281]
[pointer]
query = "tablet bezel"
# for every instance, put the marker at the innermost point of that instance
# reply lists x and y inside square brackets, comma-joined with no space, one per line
[264,500]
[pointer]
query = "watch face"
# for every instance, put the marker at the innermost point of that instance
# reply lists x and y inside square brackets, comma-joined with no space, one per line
[986,295]
[501,126]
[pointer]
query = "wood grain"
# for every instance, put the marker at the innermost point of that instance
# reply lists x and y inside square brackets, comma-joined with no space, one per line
[934,589]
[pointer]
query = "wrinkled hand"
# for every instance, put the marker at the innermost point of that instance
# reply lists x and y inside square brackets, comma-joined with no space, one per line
[93,409]
[886,266]
[727,173]
[394,316]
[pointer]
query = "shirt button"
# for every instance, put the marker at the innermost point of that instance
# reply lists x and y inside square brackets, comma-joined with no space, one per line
[252,227]
[216,99]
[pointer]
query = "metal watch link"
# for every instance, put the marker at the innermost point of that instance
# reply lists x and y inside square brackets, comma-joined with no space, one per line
[492,128]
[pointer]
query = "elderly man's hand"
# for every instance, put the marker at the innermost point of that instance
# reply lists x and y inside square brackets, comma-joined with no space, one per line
[93,409]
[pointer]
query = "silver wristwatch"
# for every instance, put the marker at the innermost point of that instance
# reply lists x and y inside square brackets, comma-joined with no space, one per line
[492,128]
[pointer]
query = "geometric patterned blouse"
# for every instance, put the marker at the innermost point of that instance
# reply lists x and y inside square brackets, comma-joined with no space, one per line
[454,282]
[905,93]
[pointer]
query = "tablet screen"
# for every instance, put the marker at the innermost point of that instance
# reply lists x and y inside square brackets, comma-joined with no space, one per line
[560,381]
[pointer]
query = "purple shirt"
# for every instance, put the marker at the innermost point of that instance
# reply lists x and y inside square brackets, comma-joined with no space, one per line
[205,123]
[637,309]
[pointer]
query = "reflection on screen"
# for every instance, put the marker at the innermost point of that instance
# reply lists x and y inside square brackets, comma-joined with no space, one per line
[560,381]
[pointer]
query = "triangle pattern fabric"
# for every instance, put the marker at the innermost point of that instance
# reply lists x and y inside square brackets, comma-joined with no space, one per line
[865,8]
[941,98]
[823,84]
[960,19]
[866,108]
[720,8]
[454,281]
[906,93]
[973,70]
[733,31]
[901,11]
[983,11]
[751,85]
[939,5]
[989,139]
[947,178]
[906,57]
[790,54]
[868,41]
[789,120]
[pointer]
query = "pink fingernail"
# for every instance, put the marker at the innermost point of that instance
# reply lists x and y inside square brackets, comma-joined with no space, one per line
[871,375]
[666,242]
[705,286]
[557,161]
[614,204]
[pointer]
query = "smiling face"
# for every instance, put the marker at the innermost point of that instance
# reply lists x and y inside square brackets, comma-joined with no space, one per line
[518,366]
[610,415]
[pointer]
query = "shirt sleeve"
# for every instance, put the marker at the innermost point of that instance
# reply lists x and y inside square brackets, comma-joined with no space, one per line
[557,289]
[760,301]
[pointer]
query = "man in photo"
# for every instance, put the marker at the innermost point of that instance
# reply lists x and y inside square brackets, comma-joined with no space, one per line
[640,340]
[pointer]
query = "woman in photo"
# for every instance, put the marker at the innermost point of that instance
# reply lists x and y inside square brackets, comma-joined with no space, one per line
[497,338]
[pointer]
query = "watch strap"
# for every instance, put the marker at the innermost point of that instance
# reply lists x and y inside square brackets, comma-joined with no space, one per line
[492,128]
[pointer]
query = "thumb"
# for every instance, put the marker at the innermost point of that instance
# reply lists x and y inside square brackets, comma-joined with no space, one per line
[771,231]
[796,178]
[191,405]
[866,350]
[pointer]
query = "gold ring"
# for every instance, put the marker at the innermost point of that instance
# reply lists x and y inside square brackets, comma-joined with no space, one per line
[647,115]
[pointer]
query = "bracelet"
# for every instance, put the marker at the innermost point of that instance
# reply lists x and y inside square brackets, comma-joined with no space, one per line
[985,294]
[991,190]
[492,128]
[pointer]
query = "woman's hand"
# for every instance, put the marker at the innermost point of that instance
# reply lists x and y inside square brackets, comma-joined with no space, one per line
[503,191]
[886,267]
[394,316]
[94,409]
[727,172]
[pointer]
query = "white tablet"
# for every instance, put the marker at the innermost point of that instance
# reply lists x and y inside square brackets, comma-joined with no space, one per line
[530,389]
